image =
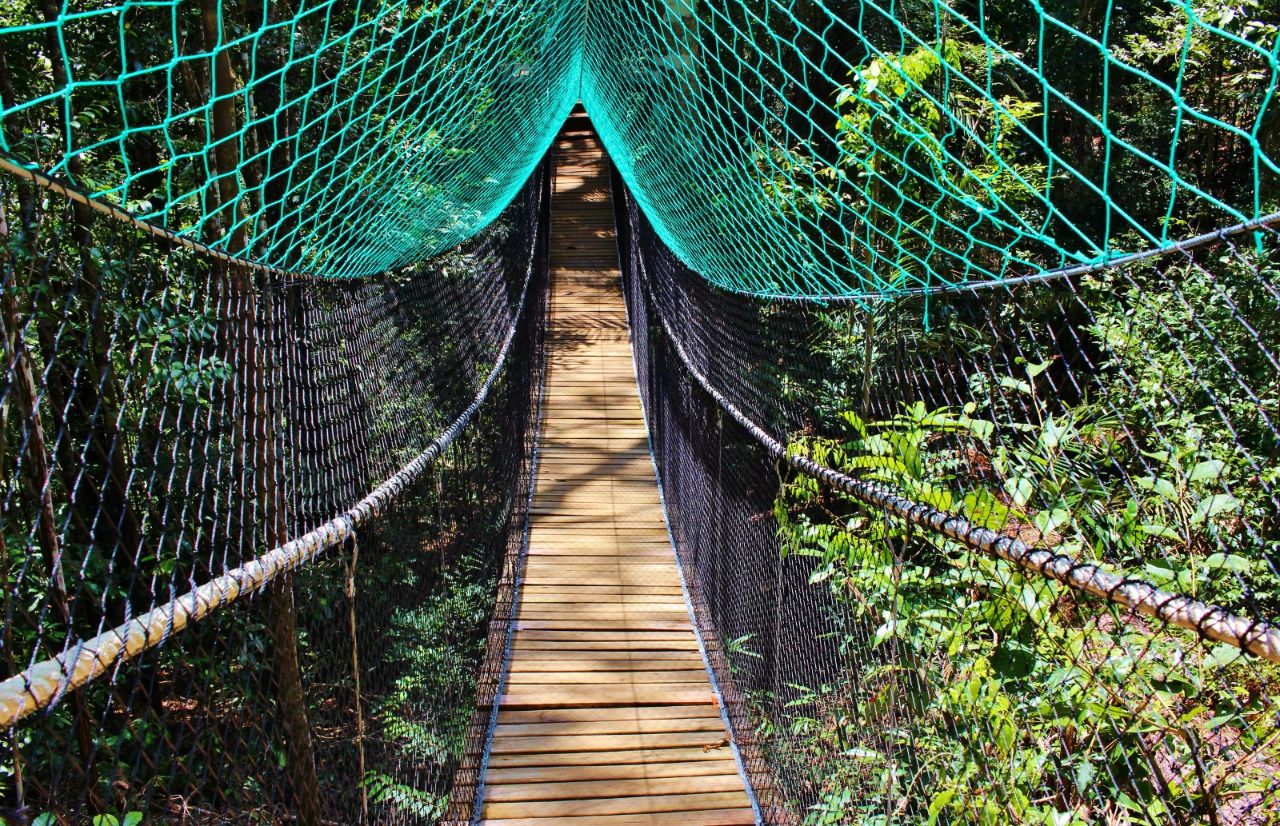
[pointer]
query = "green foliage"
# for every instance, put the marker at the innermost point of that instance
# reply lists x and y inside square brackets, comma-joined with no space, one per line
[399,797]
[977,693]
[975,688]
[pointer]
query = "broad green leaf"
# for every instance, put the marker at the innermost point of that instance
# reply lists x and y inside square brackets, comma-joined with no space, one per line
[1034,370]
[1021,489]
[1021,386]
[855,421]
[980,428]
[863,754]
[1212,506]
[940,802]
[1162,531]
[1230,562]
[1049,520]
[1052,433]
[1163,487]
[1224,654]
[936,496]
[984,509]
[1211,469]
[1160,573]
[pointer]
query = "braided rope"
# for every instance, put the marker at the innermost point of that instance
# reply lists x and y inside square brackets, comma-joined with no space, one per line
[42,685]
[124,216]
[1255,636]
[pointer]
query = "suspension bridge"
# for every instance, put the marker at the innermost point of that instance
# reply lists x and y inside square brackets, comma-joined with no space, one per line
[690,412]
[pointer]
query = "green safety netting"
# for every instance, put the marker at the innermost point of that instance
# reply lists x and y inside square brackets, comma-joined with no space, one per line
[322,136]
[802,148]
[845,147]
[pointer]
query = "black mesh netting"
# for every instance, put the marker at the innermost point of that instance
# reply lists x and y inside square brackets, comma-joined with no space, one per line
[166,417]
[888,648]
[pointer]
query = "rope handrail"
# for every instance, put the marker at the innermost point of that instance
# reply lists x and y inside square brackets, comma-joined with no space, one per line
[43,684]
[1255,636]
[1269,222]
[124,216]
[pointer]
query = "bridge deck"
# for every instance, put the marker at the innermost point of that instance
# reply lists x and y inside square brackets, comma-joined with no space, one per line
[608,715]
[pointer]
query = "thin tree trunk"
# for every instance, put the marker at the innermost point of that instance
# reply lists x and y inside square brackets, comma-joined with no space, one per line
[18,360]
[40,485]
[355,676]
[274,128]
[8,341]
[241,299]
[87,405]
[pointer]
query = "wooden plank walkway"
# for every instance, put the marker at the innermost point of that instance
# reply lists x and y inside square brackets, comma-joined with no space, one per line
[608,716]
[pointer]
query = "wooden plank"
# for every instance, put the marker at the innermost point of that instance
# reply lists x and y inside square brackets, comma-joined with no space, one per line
[709,817]
[570,715]
[551,540]
[570,452]
[604,635]
[600,527]
[604,549]
[626,771]
[564,666]
[612,565]
[605,610]
[586,789]
[608,645]
[607,758]
[603,613]
[680,677]
[568,653]
[567,595]
[564,599]
[613,588]
[609,564]
[606,742]
[583,525]
[603,578]
[542,570]
[631,525]
[618,805]
[574,660]
[638,624]
[635,486]
[709,722]
[581,696]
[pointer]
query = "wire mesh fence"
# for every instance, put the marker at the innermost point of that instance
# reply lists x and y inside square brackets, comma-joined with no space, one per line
[909,627]
[330,473]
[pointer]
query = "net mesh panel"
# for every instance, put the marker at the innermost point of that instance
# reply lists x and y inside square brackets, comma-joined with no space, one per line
[876,671]
[318,136]
[166,418]
[824,148]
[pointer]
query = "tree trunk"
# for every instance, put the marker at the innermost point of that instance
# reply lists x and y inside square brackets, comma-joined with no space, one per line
[274,130]
[18,360]
[87,407]
[257,430]
[40,486]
